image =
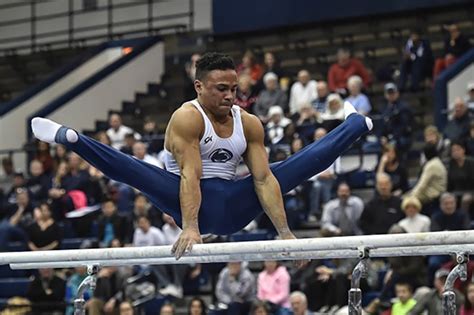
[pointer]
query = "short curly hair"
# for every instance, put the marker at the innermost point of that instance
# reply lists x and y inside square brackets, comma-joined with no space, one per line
[213,61]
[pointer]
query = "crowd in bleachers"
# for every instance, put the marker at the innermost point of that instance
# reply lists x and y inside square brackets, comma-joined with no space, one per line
[56,199]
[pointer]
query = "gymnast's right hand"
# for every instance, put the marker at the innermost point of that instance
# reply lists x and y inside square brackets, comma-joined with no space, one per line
[185,242]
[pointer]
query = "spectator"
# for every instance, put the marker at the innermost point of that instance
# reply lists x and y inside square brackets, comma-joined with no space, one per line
[470,140]
[43,154]
[45,233]
[246,95]
[274,284]
[6,180]
[432,301]
[278,126]
[250,67]
[170,229]
[197,306]
[405,301]
[457,127]
[259,308]
[147,235]
[390,164]
[24,203]
[414,222]
[299,303]
[272,95]
[139,152]
[151,137]
[117,131]
[320,103]
[470,96]
[108,291]
[417,61]
[343,69]
[103,137]
[410,270]
[270,64]
[126,308]
[450,218]
[18,182]
[455,45]
[303,92]
[60,155]
[39,182]
[129,142]
[461,174]
[167,309]
[333,116]
[468,307]
[383,210]
[142,207]
[323,183]
[72,285]
[396,120]
[10,227]
[307,120]
[359,100]
[190,76]
[434,137]
[111,225]
[47,289]
[432,181]
[236,287]
[341,215]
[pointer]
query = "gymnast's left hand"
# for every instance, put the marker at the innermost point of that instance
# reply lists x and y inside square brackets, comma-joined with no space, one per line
[185,242]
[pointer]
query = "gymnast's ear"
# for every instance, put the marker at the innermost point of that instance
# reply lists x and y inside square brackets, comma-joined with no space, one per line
[198,85]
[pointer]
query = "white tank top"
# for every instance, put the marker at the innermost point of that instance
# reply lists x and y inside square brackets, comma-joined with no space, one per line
[220,156]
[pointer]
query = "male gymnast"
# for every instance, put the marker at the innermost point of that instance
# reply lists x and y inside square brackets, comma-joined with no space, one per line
[205,141]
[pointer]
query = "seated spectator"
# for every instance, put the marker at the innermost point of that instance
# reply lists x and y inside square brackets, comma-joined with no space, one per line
[197,306]
[323,183]
[359,100]
[142,207]
[259,308]
[455,45]
[236,288]
[299,303]
[341,215]
[6,179]
[306,123]
[44,233]
[11,226]
[414,222]
[273,284]
[43,154]
[38,183]
[461,174]
[250,67]
[468,307]
[417,61]
[383,210]
[410,270]
[432,182]
[19,181]
[111,225]
[470,141]
[302,92]
[272,95]
[343,69]
[117,131]
[434,137]
[126,308]
[190,76]
[457,127]
[470,96]
[432,301]
[246,94]
[271,64]
[151,137]
[140,153]
[129,141]
[24,203]
[397,119]
[320,103]
[103,137]
[276,130]
[167,309]
[147,235]
[333,116]
[405,301]
[72,285]
[170,229]
[47,292]
[390,164]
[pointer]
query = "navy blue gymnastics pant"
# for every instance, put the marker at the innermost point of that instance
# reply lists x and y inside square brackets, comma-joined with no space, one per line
[227,206]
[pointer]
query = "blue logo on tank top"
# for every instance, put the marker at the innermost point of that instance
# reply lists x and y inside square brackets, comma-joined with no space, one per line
[221,155]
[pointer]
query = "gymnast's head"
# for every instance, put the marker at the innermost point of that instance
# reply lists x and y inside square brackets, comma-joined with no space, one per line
[216,83]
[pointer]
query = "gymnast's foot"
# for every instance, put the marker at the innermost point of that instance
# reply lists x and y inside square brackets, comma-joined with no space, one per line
[49,131]
[349,110]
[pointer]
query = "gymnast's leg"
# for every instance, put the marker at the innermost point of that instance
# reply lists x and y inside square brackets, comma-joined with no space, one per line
[160,186]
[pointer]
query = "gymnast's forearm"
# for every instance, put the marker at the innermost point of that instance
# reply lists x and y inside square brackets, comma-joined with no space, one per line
[269,195]
[190,201]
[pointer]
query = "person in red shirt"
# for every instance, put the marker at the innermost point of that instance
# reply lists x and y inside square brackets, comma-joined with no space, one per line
[343,69]
[249,66]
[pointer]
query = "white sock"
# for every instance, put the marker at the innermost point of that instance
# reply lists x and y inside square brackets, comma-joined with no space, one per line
[369,123]
[46,130]
[348,109]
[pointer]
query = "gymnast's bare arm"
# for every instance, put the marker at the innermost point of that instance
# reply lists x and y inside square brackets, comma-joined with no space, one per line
[183,142]
[266,185]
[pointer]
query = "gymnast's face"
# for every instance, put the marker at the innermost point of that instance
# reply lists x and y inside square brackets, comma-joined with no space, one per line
[216,92]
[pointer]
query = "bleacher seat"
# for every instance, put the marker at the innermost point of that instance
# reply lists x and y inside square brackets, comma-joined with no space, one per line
[10,287]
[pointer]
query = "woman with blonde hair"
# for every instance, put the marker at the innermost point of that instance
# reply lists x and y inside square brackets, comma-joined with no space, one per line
[414,222]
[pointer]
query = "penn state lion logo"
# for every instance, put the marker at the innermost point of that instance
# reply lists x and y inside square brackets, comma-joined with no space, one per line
[221,155]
